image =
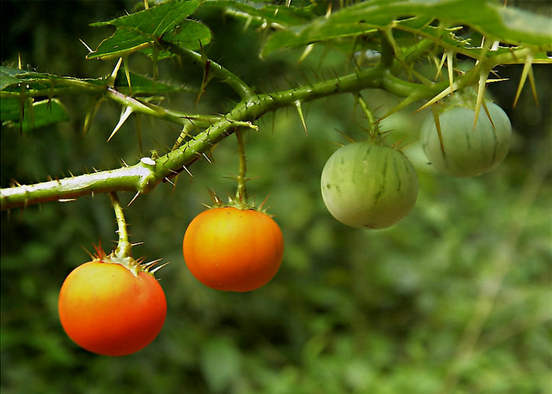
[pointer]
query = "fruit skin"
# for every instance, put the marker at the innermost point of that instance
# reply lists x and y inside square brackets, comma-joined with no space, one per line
[106,309]
[467,152]
[233,249]
[369,185]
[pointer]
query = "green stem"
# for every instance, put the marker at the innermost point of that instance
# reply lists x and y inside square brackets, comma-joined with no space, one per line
[373,130]
[156,111]
[123,246]
[224,74]
[387,50]
[241,194]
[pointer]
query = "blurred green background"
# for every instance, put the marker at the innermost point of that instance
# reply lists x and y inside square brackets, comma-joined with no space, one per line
[456,298]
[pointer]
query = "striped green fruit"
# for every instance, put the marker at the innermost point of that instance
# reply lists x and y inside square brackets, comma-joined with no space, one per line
[467,152]
[369,185]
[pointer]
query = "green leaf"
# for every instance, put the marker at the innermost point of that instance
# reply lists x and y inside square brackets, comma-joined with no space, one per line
[146,29]
[11,78]
[508,25]
[270,14]
[142,85]
[39,114]
[189,34]
[322,32]
[8,76]
[157,20]
[22,83]
[122,43]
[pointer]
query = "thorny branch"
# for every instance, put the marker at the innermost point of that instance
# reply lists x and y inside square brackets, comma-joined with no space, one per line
[144,176]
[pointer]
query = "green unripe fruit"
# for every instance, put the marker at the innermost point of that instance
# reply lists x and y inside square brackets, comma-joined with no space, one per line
[466,151]
[369,185]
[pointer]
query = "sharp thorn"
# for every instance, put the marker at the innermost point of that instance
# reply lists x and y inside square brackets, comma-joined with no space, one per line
[86,46]
[67,199]
[133,198]
[300,112]
[124,116]
[480,95]
[527,71]
[151,263]
[188,171]
[206,158]
[153,271]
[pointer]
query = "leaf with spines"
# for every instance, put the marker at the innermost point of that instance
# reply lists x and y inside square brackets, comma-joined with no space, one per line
[506,24]
[274,15]
[43,84]
[144,30]
[142,85]
[32,115]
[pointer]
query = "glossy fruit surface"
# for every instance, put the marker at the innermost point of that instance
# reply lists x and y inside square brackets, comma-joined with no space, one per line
[233,249]
[107,309]
[369,185]
[465,151]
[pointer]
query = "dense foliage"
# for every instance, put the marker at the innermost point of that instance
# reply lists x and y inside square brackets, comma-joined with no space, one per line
[453,299]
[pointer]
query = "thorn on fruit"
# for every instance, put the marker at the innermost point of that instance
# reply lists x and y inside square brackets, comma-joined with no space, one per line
[153,271]
[151,263]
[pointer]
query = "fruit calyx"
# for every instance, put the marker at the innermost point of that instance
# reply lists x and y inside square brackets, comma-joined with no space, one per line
[127,261]
[238,202]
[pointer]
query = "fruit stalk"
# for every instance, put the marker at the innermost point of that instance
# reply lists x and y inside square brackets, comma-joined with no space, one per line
[373,130]
[123,246]
[241,193]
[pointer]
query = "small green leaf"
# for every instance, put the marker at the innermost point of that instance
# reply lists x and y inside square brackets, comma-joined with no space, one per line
[142,85]
[40,114]
[270,14]
[189,34]
[17,82]
[8,76]
[123,42]
[157,20]
[11,78]
[143,30]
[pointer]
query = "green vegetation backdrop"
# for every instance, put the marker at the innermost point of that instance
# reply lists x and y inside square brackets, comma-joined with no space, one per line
[456,298]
